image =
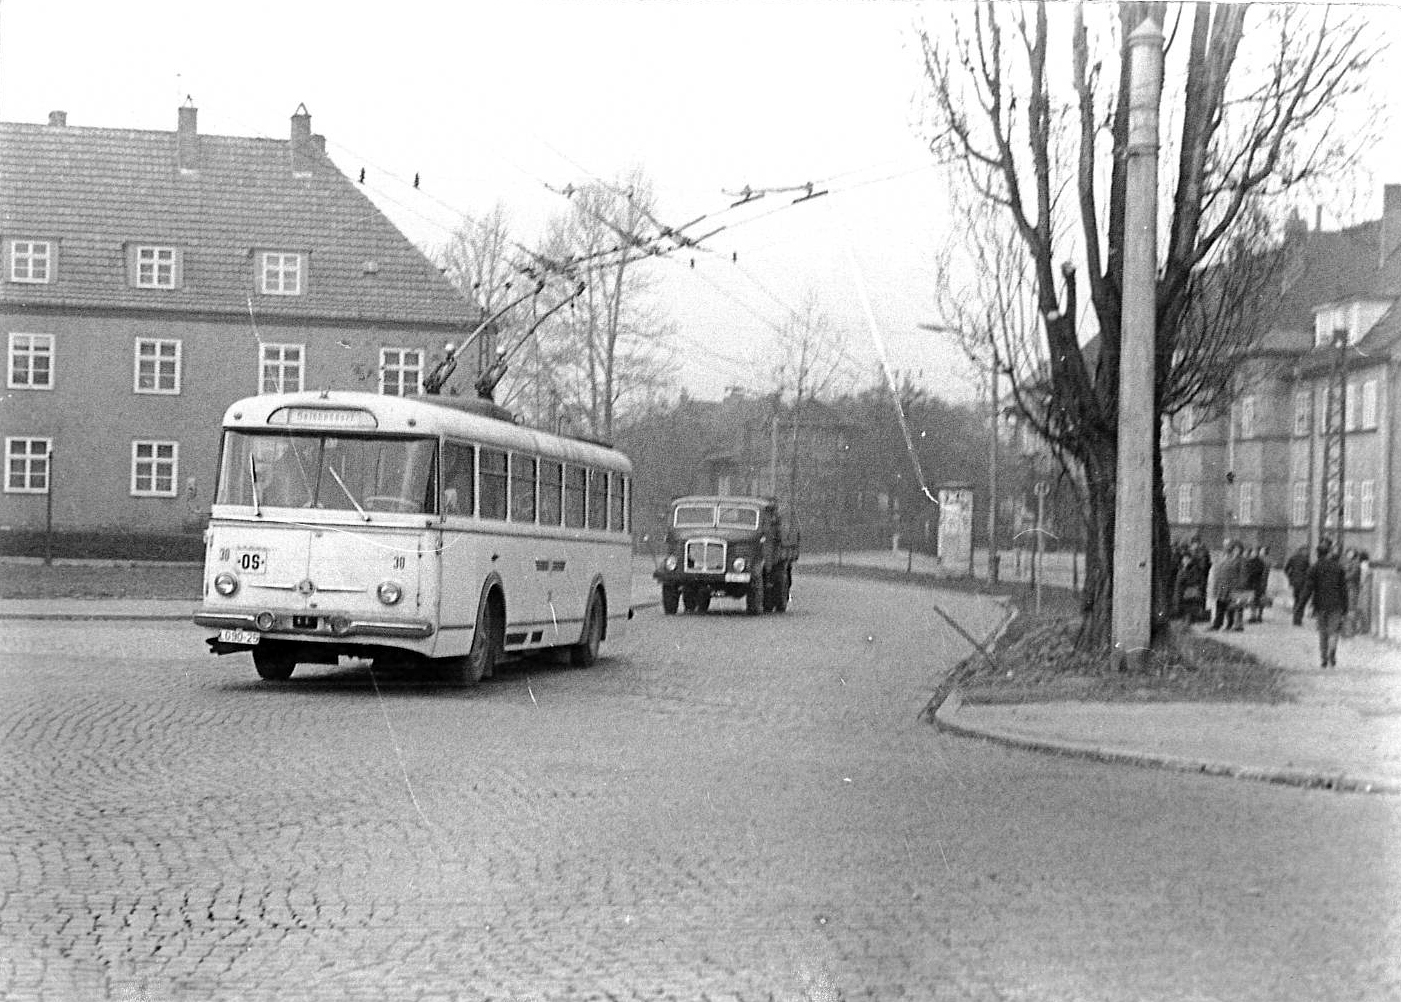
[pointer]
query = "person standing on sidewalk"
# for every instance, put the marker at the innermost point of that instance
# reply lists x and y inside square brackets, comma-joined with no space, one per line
[1257,576]
[1326,586]
[1352,574]
[1296,569]
[1230,578]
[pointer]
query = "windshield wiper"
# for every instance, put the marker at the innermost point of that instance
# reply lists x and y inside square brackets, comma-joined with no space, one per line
[253,478]
[341,483]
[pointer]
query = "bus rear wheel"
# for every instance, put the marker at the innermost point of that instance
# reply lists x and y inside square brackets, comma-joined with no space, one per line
[585,652]
[274,664]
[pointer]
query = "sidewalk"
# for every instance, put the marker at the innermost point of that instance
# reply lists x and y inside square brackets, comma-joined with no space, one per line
[1342,732]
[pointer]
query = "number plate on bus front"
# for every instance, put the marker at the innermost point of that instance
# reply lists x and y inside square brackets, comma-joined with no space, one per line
[239,636]
[251,561]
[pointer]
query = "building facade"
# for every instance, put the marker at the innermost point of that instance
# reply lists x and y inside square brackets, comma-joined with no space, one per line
[1308,445]
[148,279]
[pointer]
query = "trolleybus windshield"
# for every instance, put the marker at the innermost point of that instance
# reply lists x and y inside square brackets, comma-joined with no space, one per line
[356,473]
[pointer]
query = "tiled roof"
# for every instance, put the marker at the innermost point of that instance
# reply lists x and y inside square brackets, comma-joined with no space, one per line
[97,190]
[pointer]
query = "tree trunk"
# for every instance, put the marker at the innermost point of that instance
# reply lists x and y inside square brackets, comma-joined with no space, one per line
[1096,626]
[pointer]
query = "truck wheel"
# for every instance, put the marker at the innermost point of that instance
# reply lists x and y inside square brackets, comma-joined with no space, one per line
[754,597]
[274,663]
[771,590]
[688,600]
[781,588]
[671,597]
[703,601]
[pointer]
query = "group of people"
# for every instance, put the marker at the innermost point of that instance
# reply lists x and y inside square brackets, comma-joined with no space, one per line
[1236,586]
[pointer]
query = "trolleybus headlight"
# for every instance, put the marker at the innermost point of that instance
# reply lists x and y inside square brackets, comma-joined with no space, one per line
[265,621]
[225,583]
[739,565]
[670,563]
[389,592]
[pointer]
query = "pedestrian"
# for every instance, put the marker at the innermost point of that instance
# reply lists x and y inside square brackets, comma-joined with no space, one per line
[1326,587]
[1352,574]
[1230,578]
[1296,569]
[1257,576]
[1193,571]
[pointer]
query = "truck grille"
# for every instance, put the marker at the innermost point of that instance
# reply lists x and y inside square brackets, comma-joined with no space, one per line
[705,556]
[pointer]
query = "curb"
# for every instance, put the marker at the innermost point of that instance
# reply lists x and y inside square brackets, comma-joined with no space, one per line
[1339,782]
[114,617]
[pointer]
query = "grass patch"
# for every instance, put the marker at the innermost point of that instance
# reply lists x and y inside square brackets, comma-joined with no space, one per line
[127,581]
[67,545]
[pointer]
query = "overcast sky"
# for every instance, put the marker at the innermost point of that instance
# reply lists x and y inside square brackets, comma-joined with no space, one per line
[501,101]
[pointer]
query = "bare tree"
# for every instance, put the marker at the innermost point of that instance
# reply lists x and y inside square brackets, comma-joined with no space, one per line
[1245,125]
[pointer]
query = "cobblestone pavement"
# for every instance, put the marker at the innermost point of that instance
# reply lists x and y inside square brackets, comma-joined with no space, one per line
[725,808]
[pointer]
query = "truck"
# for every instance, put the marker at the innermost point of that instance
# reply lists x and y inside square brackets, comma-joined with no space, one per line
[731,545]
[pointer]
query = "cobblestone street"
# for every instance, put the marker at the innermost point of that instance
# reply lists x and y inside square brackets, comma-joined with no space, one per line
[725,808]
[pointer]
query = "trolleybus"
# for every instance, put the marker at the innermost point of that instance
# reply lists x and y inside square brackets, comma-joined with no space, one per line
[429,531]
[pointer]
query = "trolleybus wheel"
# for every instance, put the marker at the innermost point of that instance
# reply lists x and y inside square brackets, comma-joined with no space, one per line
[585,652]
[754,597]
[273,663]
[671,597]
[480,662]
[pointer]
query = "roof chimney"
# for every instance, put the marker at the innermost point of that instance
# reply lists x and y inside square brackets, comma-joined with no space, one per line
[1391,228]
[59,118]
[187,138]
[303,152]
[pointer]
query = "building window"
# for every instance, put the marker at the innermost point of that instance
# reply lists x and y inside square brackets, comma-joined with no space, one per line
[1369,404]
[1303,411]
[1367,503]
[1349,504]
[31,261]
[155,268]
[1299,503]
[153,468]
[27,465]
[400,371]
[280,368]
[281,274]
[1245,502]
[1350,408]
[31,361]
[1184,502]
[157,366]
[1247,417]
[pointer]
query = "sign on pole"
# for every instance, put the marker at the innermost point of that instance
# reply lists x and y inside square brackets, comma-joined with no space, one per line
[955,525]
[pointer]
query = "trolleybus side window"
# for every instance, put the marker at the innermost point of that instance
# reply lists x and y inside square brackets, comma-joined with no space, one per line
[459,479]
[551,481]
[492,480]
[574,480]
[617,487]
[598,499]
[522,488]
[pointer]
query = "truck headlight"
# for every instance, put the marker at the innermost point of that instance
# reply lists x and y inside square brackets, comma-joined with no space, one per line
[226,583]
[389,592]
[669,563]
[739,565]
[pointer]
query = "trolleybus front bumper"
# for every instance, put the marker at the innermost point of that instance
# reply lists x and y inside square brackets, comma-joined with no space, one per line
[294,625]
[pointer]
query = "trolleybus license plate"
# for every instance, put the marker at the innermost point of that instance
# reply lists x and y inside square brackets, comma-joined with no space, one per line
[239,636]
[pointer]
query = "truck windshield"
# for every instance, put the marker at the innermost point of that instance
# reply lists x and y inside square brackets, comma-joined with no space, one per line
[695,516]
[334,472]
[737,516]
[705,516]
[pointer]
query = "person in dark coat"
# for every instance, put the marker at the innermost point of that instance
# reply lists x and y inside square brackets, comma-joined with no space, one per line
[1326,587]
[1257,576]
[1296,569]
[1192,572]
[1230,578]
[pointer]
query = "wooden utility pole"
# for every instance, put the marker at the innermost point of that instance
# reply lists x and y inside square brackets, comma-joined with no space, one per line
[1133,503]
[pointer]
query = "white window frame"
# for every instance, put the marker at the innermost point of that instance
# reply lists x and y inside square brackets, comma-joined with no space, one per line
[31,256]
[148,467]
[1247,417]
[272,359]
[1245,502]
[275,265]
[1349,504]
[1184,503]
[392,372]
[1299,503]
[156,360]
[1367,504]
[38,344]
[155,266]
[1303,411]
[33,463]
[1350,407]
[1369,404]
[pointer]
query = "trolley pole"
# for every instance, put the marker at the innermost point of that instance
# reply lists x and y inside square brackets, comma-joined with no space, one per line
[1133,508]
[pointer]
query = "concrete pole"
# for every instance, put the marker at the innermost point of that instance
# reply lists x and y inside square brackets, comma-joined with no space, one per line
[1133,505]
[994,560]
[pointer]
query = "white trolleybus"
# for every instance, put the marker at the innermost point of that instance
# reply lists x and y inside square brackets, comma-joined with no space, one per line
[430,531]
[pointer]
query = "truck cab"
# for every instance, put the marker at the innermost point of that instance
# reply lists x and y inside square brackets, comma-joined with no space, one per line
[731,545]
